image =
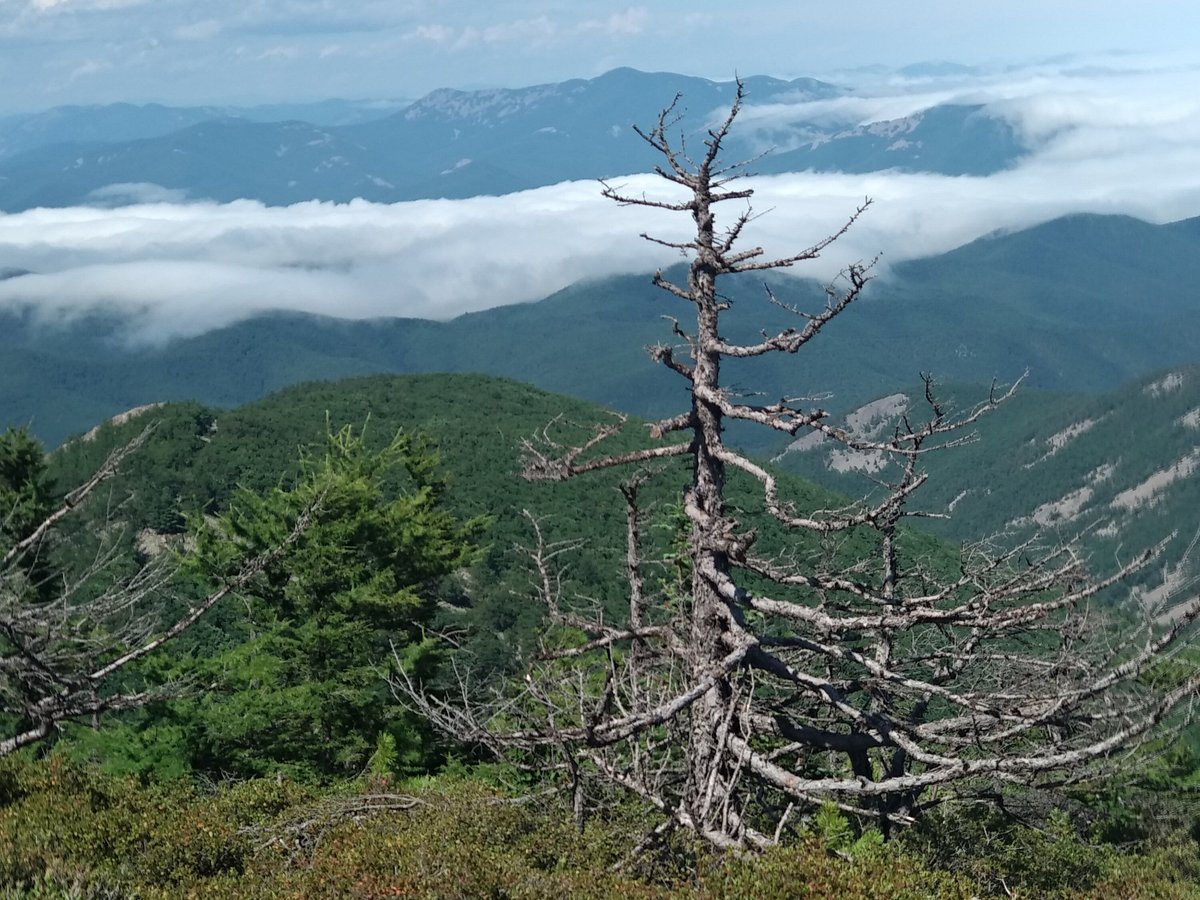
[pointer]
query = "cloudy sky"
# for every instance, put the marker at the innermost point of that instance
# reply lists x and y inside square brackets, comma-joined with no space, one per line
[1110,99]
[247,51]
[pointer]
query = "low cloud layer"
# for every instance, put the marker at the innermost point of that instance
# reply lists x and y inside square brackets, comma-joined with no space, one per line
[191,267]
[1109,141]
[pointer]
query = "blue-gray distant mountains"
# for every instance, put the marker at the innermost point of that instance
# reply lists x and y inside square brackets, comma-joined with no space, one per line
[457,143]
[1085,303]
[119,122]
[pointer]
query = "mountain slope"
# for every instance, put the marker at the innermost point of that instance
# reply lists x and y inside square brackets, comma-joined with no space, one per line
[1120,467]
[210,160]
[951,139]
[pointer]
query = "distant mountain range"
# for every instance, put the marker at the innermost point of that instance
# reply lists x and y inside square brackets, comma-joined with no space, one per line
[1085,303]
[460,144]
[117,122]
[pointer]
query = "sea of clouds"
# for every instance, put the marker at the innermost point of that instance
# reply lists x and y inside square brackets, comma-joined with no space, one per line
[1117,137]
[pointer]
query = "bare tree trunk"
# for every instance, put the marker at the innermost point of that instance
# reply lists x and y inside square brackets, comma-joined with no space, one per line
[710,638]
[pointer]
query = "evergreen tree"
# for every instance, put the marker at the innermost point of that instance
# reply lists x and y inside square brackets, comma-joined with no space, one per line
[26,490]
[301,690]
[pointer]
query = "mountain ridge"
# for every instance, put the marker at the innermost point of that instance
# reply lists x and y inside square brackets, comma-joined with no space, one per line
[458,144]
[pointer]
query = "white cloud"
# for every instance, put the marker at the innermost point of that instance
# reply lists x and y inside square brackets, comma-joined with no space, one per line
[280,53]
[531,32]
[75,5]
[203,30]
[536,31]
[89,68]
[190,267]
[130,194]
[435,33]
[628,22]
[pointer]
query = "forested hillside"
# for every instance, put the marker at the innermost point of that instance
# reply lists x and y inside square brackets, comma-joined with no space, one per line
[204,460]
[1118,467]
[198,457]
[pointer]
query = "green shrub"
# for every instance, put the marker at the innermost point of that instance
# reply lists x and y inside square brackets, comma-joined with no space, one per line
[61,817]
[1168,872]
[67,831]
[810,869]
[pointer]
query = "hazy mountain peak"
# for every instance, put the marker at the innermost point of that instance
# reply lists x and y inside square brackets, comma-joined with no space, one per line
[476,106]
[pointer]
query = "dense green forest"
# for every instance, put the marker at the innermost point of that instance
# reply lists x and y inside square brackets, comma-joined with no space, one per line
[279,762]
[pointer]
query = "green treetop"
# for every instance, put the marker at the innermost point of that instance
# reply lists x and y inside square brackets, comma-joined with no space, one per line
[302,690]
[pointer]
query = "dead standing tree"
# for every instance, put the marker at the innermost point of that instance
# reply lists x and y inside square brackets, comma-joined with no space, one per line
[776,683]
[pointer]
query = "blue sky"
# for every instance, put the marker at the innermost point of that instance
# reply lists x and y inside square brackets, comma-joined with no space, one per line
[251,51]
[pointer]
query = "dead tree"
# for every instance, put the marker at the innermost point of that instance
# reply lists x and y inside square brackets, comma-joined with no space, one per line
[776,681]
[67,646]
